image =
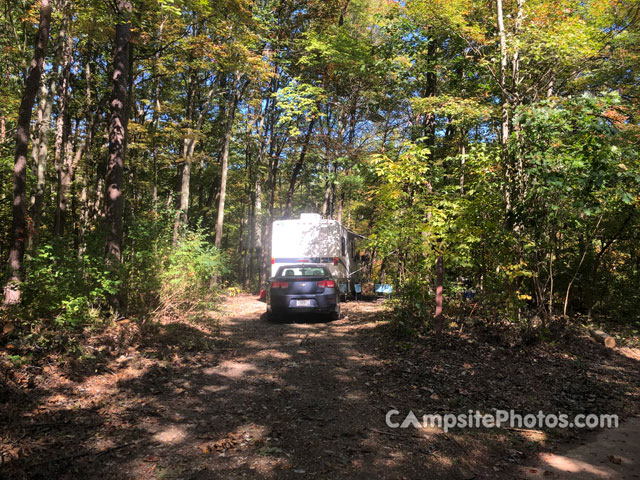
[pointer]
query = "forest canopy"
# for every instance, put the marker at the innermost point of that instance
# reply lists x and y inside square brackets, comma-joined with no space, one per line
[147,146]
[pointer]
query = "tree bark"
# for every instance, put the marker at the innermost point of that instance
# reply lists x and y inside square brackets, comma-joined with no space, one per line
[297,168]
[40,154]
[188,147]
[439,291]
[224,163]
[117,135]
[155,121]
[19,222]
[504,125]
[340,207]
[62,123]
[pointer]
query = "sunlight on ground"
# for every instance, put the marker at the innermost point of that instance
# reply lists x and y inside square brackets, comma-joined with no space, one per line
[271,353]
[570,465]
[215,388]
[231,369]
[171,435]
[533,436]
[632,353]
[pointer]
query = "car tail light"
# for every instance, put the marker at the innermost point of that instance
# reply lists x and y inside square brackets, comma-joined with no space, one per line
[273,261]
[335,260]
[327,284]
[280,285]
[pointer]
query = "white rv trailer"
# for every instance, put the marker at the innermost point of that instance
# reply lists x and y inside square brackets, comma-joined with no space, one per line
[313,239]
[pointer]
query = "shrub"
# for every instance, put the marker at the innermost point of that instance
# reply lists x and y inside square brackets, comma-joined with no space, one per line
[189,274]
[65,287]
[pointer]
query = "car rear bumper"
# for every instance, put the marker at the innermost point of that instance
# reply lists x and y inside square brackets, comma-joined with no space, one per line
[293,303]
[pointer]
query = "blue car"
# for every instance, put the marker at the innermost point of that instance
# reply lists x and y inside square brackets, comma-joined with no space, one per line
[307,288]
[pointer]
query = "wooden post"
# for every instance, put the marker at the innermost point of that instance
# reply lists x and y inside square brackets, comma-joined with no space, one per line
[439,290]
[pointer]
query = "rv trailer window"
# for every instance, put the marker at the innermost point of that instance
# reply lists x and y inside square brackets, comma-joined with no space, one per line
[295,271]
[342,245]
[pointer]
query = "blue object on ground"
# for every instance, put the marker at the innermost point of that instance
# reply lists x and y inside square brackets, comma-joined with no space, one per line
[383,288]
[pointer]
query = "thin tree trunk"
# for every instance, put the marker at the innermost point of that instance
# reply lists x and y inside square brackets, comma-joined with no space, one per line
[63,121]
[504,126]
[188,147]
[439,291]
[463,161]
[84,217]
[274,161]
[68,172]
[224,164]
[326,198]
[504,123]
[155,122]
[517,101]
[297,168]
[257,238]
[185,180]
[340,207]
[117,134]
[19,222]
[40,153]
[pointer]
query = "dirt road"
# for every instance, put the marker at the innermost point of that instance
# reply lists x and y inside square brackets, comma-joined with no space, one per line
[292,400]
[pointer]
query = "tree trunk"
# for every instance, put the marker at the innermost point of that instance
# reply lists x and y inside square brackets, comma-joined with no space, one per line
[224,164]
[517,101]
[504,126]
[340,207]
[504,123]
[117,134]
[297,168]
[19,221]
[274,161]
[67,173]
[155,121]
[185,181]
[257,240]
[40,153]
[463,160]
[63,122]
[439,290]
[327,194]
[188,147]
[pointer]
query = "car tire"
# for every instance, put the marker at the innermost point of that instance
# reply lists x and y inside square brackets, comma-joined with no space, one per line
[335,315]
[275,317]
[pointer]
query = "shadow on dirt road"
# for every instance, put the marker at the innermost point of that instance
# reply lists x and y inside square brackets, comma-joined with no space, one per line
[301,399]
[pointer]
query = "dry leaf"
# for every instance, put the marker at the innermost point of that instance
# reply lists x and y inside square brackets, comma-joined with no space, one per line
[614,459]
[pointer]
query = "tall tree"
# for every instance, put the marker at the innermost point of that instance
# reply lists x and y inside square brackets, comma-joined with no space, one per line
[19,223]
[237,90]
[118,132]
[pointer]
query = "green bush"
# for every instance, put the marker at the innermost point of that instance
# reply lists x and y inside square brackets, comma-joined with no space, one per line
[190,271]
[64,287]
[65,292]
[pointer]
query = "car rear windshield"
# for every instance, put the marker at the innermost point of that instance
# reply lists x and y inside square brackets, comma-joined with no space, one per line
[302,272]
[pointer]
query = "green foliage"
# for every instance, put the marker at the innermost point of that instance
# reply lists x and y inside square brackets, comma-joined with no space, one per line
[161,277]
[401,105]
[65,292]
[298,100]
[189,272]
[67,288]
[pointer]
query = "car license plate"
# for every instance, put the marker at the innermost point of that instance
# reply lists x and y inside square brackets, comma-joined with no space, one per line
[303,303]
